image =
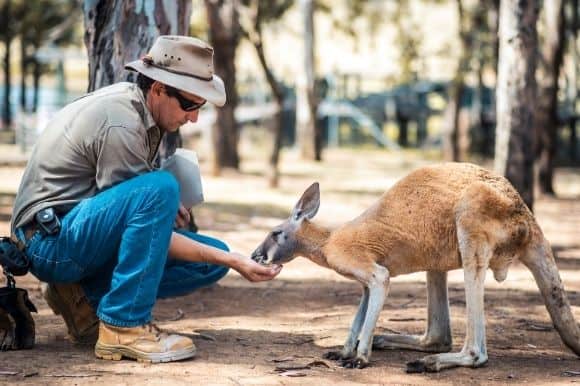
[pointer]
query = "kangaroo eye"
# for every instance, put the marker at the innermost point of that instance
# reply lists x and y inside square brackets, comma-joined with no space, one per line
[277,233]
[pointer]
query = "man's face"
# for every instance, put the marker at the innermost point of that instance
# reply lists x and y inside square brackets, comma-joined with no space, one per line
[172,108]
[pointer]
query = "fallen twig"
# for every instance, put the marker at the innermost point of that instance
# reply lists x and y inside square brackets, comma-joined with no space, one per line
[178,315]
[405,319]
[71,375]
[292,373]
[205,336]
[570,373]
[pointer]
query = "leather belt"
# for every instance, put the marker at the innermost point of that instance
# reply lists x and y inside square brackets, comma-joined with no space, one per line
[29,230]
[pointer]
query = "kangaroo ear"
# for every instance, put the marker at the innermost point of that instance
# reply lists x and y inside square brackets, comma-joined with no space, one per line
[307,206]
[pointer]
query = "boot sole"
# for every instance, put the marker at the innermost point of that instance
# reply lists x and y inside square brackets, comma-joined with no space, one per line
[117,352]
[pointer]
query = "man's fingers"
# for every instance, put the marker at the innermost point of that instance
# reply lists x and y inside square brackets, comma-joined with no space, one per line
[184,214]
[183,217]
[268,273]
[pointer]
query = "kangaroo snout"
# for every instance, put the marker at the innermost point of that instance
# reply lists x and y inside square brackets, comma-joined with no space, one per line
[259,256]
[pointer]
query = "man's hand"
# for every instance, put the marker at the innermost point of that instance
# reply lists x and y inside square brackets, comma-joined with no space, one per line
[183,217]
[253,271]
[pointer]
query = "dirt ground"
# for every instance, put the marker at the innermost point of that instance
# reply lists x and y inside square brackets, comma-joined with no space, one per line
[275,333]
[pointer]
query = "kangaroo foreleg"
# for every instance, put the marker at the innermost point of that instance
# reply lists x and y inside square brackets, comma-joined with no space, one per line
[378,286]
[437,337]
[349,349]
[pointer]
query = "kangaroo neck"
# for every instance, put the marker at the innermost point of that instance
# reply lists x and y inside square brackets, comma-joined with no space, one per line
[315,237]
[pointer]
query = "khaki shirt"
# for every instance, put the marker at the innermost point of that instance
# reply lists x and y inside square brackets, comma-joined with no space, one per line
[97,141]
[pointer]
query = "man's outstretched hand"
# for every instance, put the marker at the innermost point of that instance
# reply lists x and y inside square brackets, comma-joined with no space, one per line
[253,271]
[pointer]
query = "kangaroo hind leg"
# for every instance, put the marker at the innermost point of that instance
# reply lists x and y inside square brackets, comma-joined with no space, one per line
[437,337]
[475,256]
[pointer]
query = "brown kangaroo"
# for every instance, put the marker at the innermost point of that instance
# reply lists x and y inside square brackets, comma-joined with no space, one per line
[436,219]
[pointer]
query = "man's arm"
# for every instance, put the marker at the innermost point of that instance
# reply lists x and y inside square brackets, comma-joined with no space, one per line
[186,249]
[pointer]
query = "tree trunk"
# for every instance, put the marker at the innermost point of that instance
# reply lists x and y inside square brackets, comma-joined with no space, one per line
[6,112]
[573,91]
[451,148]
[278,93]
[310,136]
[36,74]
[225,34]
[253,31]
[546,117]
[23,73]
[117,32]
[514,152]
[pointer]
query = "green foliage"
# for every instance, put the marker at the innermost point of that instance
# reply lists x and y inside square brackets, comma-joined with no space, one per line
[371,10]
[48,21]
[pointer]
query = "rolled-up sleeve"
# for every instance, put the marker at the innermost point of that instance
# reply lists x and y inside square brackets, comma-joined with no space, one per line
[122,154]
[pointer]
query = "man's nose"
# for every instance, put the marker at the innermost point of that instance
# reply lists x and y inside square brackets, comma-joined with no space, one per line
[192,116]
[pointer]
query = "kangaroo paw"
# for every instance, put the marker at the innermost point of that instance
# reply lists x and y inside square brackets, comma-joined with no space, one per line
[354,363]
[417,366]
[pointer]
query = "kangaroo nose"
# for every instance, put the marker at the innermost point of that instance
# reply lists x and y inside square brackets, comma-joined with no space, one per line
[257,255]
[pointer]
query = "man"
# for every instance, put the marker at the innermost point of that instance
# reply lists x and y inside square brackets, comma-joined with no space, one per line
[92,209]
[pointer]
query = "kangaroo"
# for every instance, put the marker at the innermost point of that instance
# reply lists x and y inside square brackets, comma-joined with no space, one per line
[436,219]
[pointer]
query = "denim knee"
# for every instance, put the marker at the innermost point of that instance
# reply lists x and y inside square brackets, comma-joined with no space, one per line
[164,185]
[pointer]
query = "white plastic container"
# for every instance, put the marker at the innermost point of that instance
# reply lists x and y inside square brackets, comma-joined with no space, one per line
[184,166]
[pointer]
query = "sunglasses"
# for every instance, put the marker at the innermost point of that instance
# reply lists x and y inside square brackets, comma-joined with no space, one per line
[184,103]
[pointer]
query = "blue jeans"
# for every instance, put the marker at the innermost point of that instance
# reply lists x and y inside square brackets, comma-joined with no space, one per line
[116,244]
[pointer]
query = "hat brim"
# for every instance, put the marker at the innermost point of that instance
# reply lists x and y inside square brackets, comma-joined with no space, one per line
[213,90]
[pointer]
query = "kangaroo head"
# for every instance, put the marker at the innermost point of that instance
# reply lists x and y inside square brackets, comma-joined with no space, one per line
[284,242]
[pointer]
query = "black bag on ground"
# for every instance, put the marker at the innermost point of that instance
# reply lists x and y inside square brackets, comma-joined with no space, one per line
[12,259]
[16,323]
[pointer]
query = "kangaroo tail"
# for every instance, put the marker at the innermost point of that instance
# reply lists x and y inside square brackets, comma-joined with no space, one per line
[540,261]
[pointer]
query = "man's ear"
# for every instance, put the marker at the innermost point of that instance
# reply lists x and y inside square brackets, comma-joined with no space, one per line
[157,87]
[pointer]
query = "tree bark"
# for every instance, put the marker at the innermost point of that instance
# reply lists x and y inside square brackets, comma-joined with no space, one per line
[573,91]
[546,117]
[514,152]
[6,112]
[23,73]
[253,31]
[36,74]
[310,135]
[451,141]
[278,93]
[225,35]
[117,32]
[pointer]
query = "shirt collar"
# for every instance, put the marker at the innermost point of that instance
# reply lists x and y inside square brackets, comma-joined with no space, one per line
[144,112]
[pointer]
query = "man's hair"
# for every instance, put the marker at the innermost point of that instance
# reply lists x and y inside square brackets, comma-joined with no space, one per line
[144,83]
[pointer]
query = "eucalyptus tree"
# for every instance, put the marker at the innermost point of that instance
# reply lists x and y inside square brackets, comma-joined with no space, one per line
[224,36]
[546,114]
[516,89]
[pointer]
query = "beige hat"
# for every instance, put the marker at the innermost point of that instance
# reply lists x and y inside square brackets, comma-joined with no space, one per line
[185,63]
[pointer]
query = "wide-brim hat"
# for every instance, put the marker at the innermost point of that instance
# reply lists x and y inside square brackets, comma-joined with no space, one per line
[185,63]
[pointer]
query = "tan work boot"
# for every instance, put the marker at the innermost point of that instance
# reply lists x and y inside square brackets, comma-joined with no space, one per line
[70,302]
[145,343]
